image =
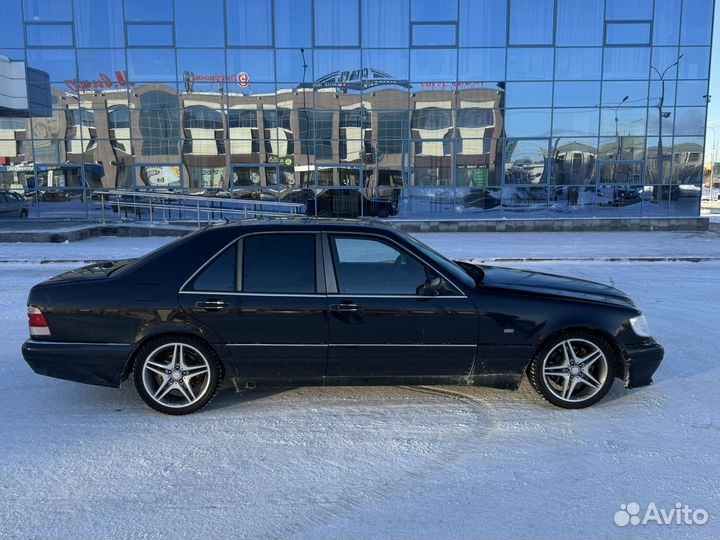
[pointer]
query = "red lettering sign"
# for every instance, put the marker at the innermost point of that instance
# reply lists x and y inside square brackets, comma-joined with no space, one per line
[103,82]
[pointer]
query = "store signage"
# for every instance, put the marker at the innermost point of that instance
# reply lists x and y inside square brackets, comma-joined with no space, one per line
[285,161]
[450,85]
[358,79]
[102,82]
[242,79]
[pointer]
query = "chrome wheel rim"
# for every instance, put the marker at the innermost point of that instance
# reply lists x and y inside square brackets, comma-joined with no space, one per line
[575,370]
[176,375]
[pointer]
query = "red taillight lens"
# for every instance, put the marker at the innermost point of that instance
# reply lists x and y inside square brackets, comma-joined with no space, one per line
[37,321]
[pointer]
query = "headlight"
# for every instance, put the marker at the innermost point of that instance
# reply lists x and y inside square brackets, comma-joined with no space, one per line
[640,326]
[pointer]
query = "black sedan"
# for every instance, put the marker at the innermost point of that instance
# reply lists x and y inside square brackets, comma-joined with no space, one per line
[308,302]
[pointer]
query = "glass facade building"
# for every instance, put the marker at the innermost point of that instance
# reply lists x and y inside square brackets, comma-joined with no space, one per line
[409,109]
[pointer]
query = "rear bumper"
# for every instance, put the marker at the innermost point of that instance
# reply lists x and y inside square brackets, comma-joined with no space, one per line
[642,361]
[90,363]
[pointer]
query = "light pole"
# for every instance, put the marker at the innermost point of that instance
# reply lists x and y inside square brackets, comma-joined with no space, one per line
[661,116]
[712,162]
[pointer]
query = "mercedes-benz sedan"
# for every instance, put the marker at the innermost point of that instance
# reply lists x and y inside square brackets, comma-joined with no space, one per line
[323,302]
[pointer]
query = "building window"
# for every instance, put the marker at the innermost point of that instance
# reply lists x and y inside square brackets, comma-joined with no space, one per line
[159,124]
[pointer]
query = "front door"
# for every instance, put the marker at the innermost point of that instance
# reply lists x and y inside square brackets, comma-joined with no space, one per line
[383,323]
[269,308]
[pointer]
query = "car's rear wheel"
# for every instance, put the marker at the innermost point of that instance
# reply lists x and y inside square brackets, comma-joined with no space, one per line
[573,370]
[177,375]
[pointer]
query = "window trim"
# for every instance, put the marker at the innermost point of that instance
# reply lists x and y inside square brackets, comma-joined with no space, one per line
[331,275]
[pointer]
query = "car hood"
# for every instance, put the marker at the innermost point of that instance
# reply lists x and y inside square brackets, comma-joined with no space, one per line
[550,284]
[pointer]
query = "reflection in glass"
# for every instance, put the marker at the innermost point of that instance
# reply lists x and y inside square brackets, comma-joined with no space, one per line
[687,160]
[150,35]
[625,33]
[525,161]
[577,64]
[689,120]
[530,64]
[577,94]
[694,63]
[251,23]
[150,65]
[628,11]
[433,65]
[144,11]
[47,10]
[626,63]
[434,10]
[528,94]
[481,65]
[574,161]
[575,122]
[623,121]
[622,148]
[48,35]
[527,122]
[293,23]
[666,22]
[99,24]
[696,22]
[198,24]
[336,23]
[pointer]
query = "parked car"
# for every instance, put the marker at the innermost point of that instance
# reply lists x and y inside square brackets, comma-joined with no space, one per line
[322,302]
[350,203]
[13,204]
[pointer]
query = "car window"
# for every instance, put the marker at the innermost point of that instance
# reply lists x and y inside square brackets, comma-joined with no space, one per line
[219,275]
[370,266]
[279,264]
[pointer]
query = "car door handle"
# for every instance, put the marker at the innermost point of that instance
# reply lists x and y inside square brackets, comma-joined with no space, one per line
[212,304]
[345,307]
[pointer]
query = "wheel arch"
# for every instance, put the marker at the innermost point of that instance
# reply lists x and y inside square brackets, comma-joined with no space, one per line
[620,363]
[225,360]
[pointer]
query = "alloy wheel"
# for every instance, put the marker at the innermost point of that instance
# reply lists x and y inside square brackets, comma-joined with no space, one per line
[575,370]
[176,375]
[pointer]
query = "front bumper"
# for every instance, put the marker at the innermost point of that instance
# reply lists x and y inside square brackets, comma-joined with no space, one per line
[90,363]
[642,360]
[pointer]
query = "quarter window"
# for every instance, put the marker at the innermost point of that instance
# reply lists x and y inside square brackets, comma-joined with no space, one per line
[219,275]
[366,266]
[279,263]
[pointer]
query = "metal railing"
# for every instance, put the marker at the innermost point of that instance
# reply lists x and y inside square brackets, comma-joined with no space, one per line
[178,208]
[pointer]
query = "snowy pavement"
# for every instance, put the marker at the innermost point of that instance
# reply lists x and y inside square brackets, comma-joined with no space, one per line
[78,461]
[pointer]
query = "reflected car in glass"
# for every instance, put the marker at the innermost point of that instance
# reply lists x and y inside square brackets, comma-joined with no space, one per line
[302,301]
[13,205]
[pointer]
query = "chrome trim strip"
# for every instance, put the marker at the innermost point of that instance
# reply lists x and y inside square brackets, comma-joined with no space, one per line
[349,345]
[224,293]
[334,295]
[47,342]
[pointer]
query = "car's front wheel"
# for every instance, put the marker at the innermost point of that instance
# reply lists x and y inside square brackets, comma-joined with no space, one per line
[573,370]
[177,375]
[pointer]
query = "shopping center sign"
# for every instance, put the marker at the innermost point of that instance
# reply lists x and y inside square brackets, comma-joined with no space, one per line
[358,79]
[101,83]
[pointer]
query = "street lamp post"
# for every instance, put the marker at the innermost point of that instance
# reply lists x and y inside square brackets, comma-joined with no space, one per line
[661,116]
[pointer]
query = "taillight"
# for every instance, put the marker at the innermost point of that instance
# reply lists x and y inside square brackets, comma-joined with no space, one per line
[38,322]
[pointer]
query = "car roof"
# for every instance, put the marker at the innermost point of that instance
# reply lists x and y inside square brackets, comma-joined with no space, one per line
[311,223]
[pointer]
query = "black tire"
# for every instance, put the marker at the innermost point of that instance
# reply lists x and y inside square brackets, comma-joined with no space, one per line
[552,378]
[23,213]
[199,378]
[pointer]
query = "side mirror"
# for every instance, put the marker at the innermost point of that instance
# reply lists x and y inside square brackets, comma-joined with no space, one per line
[433,286]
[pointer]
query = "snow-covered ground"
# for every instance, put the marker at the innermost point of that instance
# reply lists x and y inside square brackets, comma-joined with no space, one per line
[79,461]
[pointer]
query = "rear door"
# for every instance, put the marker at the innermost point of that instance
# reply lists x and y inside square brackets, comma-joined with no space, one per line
[382,322]
[271,309]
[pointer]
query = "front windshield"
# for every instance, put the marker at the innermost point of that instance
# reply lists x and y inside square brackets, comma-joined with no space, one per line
[446,264]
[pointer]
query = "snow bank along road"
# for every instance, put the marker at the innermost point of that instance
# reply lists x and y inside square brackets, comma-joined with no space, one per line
[80,461]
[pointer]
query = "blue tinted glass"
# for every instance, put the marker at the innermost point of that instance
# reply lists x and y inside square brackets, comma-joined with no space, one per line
[46,10]
[482,23]
[44,35]
[259,64]
[580,23]
[662,60]
[13,54]
[201,62]
[689,120]
[199,24]
[696,22]
[531,22]
[623,121]
[289,65]
[328,61]
[394,62]
[430,65]
[59,63]
[527,64]
[613,93]
[692,92]
[658,90]
[99,24]
[528,94]
[482,65]
[626,63]
[629,10]
[694,63]
[150,34]
[293,27]
[336,23]
[577,64]
[666,25]
[144,11]
[100,63]
[150,65]
[575,122]
[12,33]
[527,122]
[385,23]
[628,34]
[434,34]
[434,10]
[249,22]
[577,94]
